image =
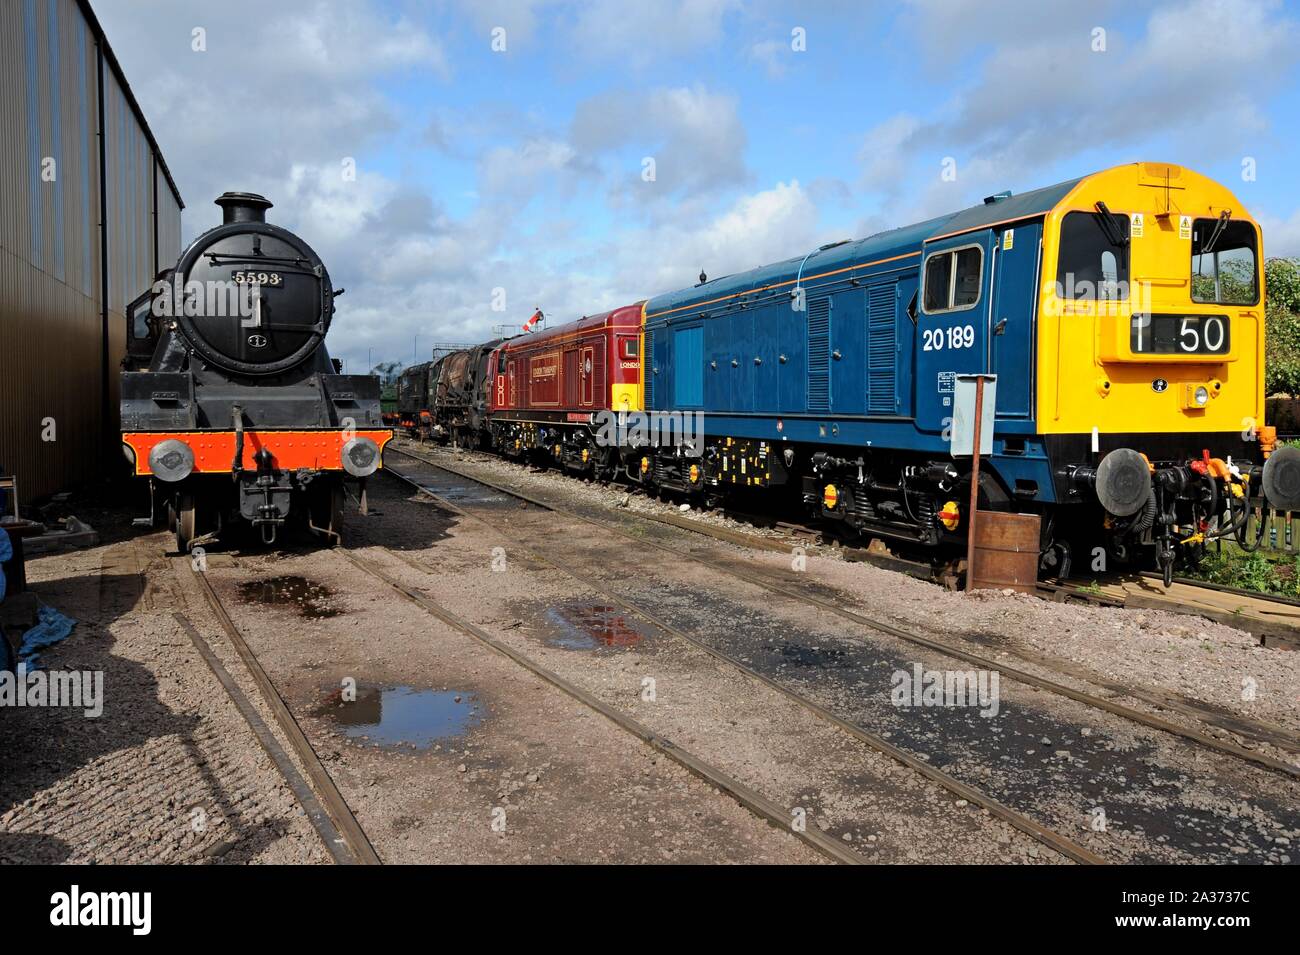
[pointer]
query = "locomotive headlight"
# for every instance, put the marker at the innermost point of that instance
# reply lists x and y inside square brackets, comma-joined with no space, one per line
[360,457]
[1196,397]
[171,460]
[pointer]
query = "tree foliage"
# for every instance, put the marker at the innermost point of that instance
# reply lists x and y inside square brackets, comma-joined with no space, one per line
[1282,327]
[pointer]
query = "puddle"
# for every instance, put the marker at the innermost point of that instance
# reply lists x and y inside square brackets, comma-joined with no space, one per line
[591,627]
[469,493]
[799,655]
[403,716]
[310,599]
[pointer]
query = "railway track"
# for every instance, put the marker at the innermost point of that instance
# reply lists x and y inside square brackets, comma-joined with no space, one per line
[326,809]
[1256,732]
[1273,618]
[752,800]
[1044,835]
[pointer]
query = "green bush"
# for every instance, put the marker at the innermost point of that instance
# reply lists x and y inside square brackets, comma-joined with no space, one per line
[1282,327]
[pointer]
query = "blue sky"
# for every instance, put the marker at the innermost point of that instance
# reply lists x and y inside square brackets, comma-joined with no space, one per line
[485,174]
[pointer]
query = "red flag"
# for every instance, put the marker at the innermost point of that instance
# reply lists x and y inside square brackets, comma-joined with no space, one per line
[537,317]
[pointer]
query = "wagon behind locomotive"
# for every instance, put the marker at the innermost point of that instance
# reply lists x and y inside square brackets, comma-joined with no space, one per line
[460,387]
[413,414]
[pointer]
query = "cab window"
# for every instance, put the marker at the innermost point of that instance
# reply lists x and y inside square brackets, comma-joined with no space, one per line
[1093,261]
[140,320]
[1224,270]
[629,347]
[952,279]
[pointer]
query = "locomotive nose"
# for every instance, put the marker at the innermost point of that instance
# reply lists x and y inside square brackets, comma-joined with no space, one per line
[1123,482]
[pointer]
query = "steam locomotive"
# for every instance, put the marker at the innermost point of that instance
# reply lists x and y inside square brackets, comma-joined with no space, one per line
[230,403]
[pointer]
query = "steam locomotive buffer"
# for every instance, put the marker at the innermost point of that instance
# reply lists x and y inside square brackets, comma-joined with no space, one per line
[231,405]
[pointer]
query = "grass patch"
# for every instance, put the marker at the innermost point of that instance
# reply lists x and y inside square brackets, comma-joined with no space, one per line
[1267,572]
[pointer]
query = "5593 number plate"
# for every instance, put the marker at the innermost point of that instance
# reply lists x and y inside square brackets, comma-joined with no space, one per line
[1179,335]
[257,278]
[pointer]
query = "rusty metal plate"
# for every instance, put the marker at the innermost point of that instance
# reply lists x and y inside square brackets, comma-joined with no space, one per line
[1006,552]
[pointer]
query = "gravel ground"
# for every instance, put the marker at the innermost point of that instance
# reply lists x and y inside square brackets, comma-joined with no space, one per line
[1216,664]
[867,800]
[560,782]
[1065,759]
[170,771]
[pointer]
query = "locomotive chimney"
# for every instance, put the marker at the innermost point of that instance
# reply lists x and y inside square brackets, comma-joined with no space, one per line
[242,207]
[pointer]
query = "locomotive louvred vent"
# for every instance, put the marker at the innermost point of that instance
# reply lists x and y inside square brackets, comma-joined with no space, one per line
[647,371]
[819,361]
[882,307]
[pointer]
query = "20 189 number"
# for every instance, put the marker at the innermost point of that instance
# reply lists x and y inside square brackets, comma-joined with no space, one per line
[936,339]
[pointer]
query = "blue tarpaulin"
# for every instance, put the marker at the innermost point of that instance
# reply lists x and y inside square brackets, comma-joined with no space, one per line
[51,627]
[6,552]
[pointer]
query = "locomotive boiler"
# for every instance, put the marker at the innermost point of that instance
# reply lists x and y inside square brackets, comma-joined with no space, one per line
[230,403]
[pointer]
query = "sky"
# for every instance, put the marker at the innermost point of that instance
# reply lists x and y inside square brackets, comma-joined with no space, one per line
[458,163]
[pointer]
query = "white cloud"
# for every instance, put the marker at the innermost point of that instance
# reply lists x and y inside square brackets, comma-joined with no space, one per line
[771,55]
[765,226]
[694,135]
[516,173]
[299,89]
[1281,236]
[1196,71]
[643,33]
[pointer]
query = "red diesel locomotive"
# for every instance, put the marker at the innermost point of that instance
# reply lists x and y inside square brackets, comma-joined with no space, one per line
[550,388]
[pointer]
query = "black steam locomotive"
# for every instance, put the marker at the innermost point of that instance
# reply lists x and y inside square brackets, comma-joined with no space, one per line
[230,404]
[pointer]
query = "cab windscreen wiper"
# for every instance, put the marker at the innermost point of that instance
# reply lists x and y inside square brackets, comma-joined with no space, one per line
[1219,226]
[1110,224]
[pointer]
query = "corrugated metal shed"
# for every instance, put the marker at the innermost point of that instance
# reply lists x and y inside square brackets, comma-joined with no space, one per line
[83,230]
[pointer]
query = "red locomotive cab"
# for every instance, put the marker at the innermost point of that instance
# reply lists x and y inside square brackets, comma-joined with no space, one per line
[574,370]
[504,379]
[552,391]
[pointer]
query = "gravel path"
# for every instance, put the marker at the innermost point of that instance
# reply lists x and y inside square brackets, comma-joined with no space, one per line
[1165,799]
[1219,665]
[170,771]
